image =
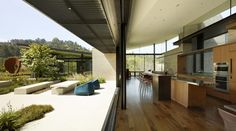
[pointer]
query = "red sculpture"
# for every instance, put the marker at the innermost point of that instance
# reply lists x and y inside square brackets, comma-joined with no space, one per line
[12,65]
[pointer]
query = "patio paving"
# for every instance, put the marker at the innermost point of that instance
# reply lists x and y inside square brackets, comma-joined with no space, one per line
[71,112]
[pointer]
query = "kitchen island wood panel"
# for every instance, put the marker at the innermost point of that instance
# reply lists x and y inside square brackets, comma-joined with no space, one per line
[186,94]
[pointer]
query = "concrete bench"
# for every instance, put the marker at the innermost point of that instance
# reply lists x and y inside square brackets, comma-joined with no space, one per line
[5,83]
[32,88]
[63,87]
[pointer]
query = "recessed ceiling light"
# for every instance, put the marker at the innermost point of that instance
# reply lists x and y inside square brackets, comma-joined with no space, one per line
[69,8]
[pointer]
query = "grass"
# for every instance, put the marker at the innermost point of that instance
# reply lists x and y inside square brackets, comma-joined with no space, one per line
[81,78]
[15,84]
[18,81]
[84,78]
[101,80]
[8,89]
[11,120]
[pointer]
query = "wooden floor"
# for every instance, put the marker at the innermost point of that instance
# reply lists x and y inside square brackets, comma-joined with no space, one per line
[144,115]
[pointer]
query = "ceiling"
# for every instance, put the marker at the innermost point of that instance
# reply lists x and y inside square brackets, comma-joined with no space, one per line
[150,21]
[154,21]
[85,18]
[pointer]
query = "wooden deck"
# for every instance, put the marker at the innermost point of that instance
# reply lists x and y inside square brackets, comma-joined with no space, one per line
[144,115]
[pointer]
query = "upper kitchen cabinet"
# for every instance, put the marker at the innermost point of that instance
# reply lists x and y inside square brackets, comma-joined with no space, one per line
[221,54]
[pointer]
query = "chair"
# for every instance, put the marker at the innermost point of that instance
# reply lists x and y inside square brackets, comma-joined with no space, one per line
[84,89]
[229,119]
[96,84]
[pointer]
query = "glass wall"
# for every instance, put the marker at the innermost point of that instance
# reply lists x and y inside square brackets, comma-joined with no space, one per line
[149,62]
[135,62]
[139,63]
[222,11]
[142,59]
[170,43]
[160,48]
[159,64]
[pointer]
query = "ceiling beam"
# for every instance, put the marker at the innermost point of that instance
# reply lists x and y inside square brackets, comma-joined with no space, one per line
[71,22]
[69,5]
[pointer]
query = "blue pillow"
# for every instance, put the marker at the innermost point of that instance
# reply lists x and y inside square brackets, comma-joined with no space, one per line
[85,89]
[96,84]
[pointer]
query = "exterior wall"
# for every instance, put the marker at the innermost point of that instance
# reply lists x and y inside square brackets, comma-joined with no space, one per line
[104,65]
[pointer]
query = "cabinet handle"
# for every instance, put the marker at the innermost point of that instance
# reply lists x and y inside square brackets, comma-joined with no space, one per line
[231,67]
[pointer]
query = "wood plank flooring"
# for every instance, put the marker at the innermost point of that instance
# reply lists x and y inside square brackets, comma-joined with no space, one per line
[144,115]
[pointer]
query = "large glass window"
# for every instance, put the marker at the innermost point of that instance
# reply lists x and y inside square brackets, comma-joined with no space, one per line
[221,12]
[148,62]
[130,62]
[139,62]
[135,62]
[170,43]
[160,48]
[159,64]
[233,9]
[142,50]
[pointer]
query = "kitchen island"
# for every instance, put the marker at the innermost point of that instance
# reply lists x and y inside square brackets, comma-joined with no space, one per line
[188,92]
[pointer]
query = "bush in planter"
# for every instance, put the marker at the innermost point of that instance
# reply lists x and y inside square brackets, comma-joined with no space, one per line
[8,120]
[13,120]
[81,78]
[101,80]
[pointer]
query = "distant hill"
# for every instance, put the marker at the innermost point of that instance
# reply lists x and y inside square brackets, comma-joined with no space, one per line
[11,48]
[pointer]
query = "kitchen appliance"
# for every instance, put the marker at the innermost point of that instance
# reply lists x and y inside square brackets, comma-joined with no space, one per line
[221,68]
[221,76]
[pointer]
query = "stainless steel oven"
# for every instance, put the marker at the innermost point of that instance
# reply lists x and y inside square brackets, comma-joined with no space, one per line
[222,83]
[221,76]
[221,68]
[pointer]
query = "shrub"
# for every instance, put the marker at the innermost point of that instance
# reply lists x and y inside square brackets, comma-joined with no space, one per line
[13,120]
[81,78]
[8,120]
[33,112]
[39,59]
[101,80]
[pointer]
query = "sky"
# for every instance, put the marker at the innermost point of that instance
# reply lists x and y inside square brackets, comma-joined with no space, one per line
[18,20]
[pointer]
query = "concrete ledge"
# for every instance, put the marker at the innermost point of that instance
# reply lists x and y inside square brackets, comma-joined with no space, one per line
[5,83]
[63,87]
[32,88]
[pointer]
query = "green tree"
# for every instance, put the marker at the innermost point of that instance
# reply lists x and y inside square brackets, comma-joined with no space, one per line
[39,60]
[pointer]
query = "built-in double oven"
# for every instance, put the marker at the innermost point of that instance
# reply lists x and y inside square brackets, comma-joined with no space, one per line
[221,76]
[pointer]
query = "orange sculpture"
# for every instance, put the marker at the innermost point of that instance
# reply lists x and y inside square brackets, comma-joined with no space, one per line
[12,65]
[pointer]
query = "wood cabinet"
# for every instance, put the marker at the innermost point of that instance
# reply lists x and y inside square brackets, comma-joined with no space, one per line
[186,94]
[179,90]
[232,92]
[181,64]
[227,53]
[232,70]
[220,53]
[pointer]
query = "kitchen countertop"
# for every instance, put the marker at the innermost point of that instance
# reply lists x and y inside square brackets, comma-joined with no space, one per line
[193,81]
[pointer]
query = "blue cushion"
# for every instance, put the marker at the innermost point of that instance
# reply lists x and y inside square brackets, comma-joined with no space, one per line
[85,89]
[96,84]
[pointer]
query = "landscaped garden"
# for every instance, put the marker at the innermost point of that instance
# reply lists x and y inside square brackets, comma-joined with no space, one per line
[38,63]
[33,65]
